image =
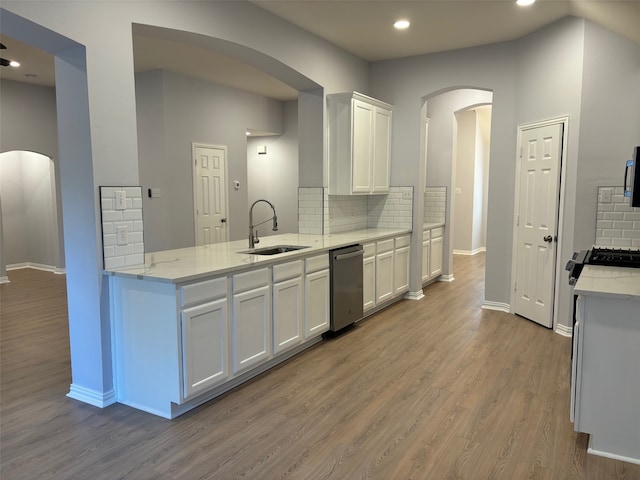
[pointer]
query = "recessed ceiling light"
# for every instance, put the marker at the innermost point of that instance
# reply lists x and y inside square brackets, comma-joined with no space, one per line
[525,3]
[248,133]
[401,24]
[14,64]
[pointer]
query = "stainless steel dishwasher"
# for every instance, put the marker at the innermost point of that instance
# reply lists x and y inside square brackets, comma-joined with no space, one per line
[346,286]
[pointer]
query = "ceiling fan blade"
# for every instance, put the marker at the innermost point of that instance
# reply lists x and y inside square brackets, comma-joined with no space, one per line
[2,47]
[4,62]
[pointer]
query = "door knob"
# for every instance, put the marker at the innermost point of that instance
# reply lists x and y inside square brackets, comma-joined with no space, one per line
[548,238]
[223,220]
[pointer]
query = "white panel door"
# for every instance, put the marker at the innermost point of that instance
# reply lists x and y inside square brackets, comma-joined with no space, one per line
[204,346]
[316,303]
[362,131]
[210,195]
[541,150]
[287,314]
[381,151]
[369,282]
[251,326]
[384,276]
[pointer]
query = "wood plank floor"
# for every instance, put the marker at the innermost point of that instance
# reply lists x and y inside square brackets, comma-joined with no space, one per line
[429,389]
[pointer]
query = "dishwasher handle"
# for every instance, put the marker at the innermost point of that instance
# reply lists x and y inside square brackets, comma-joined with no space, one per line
[344,256]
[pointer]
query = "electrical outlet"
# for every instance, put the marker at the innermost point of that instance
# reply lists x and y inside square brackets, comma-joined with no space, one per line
[122,232]
[458,191]
[606,195]
[406,195]
[121,200]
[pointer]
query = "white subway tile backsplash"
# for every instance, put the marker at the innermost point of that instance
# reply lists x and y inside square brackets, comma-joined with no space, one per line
[618,224]
[435,201]
[132,254]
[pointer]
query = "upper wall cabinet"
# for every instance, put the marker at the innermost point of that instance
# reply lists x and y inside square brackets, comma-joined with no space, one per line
[359,144]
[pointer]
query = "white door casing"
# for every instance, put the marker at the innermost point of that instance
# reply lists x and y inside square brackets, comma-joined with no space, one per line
[537,210]
[210,194]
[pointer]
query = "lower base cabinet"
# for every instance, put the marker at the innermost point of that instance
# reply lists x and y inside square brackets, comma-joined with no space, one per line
[432,253]
[369,277]
[316,303]
[204,347]
[288,308]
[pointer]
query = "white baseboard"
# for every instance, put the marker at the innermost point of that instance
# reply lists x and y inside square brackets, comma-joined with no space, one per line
[5,279]
[37,266]
[498,306]
[564,330]
[419,295]
[446,278]
[92,397]
[469,252]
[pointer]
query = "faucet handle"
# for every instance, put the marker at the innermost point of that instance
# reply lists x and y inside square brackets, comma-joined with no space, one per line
[255,237]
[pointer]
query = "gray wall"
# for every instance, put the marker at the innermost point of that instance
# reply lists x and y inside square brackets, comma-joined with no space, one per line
[538,77]
[29,216]
[29,123]
[174,111]
[274,176]
[97,122]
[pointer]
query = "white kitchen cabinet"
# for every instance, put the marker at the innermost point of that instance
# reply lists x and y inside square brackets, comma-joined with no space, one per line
[316,296]
[369,277]
[251,319]
[437,250]
[432,253]
[288,311]
[426,253]
[204,346]
[401,264]
[359,144]
[384,271]
[605,384]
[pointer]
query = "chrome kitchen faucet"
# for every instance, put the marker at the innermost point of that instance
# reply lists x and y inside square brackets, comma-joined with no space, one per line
[253,236]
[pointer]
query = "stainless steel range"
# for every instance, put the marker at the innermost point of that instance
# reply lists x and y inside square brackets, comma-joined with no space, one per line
[611,257]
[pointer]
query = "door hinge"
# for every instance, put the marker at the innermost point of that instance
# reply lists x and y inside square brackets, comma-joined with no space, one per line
[195,162]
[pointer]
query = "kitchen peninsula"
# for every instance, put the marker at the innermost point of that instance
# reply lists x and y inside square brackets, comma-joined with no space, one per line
[605,381]
[192,323]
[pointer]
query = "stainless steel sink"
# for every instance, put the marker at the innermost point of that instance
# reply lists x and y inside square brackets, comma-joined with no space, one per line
[274,249]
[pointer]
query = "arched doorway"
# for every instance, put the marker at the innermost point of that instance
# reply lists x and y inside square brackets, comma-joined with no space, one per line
[31,235]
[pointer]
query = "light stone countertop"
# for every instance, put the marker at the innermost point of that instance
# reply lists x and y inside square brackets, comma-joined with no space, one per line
[618,282]
[430,225]
[193,263]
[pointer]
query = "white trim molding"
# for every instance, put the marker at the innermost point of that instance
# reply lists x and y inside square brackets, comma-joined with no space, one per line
[419,295]
[36,266]
[92,397]
[498,306]
[470,252]
[4,279]
[563,330]
[446,278]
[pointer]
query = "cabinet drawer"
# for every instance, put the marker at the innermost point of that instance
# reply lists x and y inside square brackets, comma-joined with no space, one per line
[369,250]
[203,291]
[284,271]
[319,262]
[249,280]
[384,246]
[437,232]
[426,235]
[403,241]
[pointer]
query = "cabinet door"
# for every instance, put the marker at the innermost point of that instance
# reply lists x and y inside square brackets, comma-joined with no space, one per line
[436,256]
[362,154]
[287,314]
[426,252]
[384,276]
[381,151]
[316,303]
[401,270]
[251,328]
[369,283]
[204,347]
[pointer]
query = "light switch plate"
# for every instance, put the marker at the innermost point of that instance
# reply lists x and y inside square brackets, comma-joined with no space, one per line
[121,200]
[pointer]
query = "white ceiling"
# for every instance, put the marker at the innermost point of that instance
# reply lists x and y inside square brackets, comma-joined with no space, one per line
[362,27]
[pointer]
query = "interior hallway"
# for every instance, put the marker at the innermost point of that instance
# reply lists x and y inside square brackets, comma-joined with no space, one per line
[429,389]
